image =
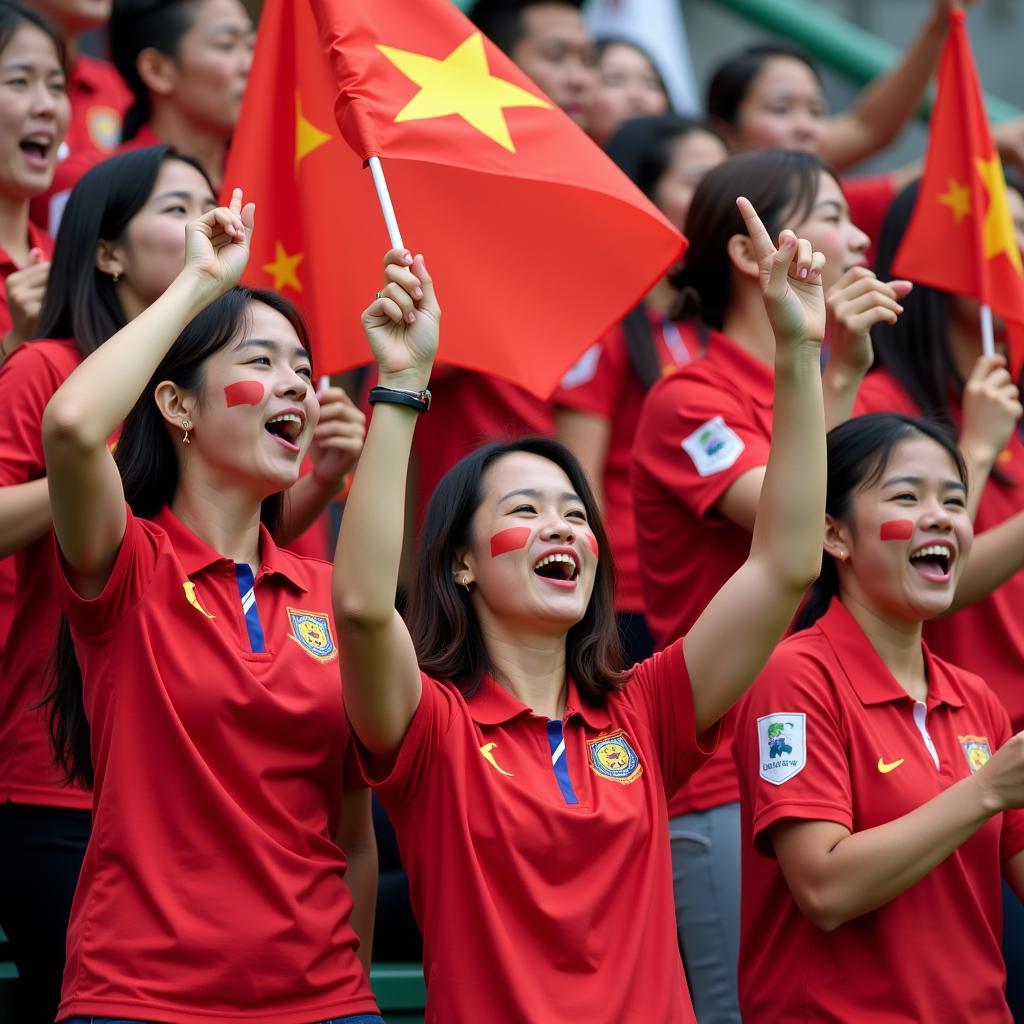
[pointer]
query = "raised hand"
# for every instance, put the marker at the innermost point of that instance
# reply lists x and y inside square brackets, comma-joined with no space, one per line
[402,323]
[217,243]
[26,289]
[856,302]
[338,438]
[992,407]
[790,281]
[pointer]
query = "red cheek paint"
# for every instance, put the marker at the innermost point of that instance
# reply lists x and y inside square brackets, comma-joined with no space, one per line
[512,539]
[897,529]
[244,392]
[592,541]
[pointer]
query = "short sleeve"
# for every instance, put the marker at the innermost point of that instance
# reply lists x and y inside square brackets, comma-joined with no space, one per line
[697,438]
[790,747]
[130,577]
[661,691]
[595,383]
[397,781]
[27,383]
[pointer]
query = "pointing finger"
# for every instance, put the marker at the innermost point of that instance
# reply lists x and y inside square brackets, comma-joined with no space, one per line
[763,245]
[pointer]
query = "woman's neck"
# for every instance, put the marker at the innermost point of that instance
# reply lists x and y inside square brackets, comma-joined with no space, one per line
[747,324]
[227,521]
[14,228]
[171,126]
[897,642]
[531,669]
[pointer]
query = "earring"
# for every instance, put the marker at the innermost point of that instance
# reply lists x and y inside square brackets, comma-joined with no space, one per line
[115,276]
[464,583]
[186,425]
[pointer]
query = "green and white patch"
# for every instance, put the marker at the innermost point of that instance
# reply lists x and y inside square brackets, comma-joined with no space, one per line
[713,446]
[782,745]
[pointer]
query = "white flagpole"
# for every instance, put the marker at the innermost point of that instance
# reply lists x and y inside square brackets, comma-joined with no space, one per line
[988,343]
[385,203]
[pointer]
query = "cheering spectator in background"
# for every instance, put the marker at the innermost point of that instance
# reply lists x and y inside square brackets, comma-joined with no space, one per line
[881,786]
[598,403]
[628,85]
[698,466]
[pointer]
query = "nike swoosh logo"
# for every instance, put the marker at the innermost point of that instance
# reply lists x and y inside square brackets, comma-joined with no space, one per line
[892,766]
[486,750]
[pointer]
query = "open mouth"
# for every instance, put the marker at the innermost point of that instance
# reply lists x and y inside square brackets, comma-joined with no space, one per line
[37,149]
[286,428]
[933,562]
[558,568]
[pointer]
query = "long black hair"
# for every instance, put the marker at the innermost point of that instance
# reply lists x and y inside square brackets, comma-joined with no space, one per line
[644,147]
[858,452]
[443,625]
[80,300]
[783,186]
[15,15]
[147,460]
[137,25]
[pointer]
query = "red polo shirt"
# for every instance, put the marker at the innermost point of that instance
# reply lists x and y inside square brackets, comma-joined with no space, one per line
[27,773]
[37,239]
[538,852]
[604,383]
[700,430]
[987,637]
[211,889]
[468,410]
[854,748]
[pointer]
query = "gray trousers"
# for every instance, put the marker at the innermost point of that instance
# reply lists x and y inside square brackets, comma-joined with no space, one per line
[706,875]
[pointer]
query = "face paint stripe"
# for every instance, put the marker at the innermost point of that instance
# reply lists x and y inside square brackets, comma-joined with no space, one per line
[592,541]
[897,529]
[244,392]
[512,539]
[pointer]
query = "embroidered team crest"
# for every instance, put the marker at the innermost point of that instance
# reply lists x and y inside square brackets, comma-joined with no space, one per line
[713,446]
[104,127]
[614,757]
[782,745]
[312,632]
[976,750]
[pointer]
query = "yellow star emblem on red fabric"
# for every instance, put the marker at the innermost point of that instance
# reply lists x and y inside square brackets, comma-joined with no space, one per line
[997,229]
[958,198]
[284,268]
[461,84]
[307,136]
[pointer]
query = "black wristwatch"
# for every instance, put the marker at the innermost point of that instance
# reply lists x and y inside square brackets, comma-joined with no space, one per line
[418,400]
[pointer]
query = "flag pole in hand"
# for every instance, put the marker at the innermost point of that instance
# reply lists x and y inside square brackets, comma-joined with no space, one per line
[385,203]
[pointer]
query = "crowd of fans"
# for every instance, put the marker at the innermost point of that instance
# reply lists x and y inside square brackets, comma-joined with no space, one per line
[765,768]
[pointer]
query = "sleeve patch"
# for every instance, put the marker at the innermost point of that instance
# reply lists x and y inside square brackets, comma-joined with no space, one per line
[583,370]
[782,745]
[713,446]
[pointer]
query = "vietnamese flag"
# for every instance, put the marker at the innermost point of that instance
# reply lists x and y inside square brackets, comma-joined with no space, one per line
[961,236]
[536,241]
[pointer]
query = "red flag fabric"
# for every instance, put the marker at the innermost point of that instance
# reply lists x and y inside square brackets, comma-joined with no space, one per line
[961,236]
[536,240]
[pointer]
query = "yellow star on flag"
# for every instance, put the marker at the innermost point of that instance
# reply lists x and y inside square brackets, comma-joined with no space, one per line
[998,226]
[285,269]
[461,84]
[958,198]
[307,136]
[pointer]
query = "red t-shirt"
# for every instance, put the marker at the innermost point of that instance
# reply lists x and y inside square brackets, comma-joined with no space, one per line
[99,99]
[987,637]
[469,409]
[827,734]
[211,889]
[27,772]
[604,383]
[869,200]
[537,850]
[700,430]
[37,239]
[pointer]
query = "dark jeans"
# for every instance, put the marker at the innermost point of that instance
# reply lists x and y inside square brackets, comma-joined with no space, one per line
[41,851]
[1013,951]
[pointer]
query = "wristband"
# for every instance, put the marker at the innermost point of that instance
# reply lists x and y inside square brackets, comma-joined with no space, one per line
[418,400]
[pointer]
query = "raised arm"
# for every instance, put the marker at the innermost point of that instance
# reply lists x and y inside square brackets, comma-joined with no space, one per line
[836,875]
[86,496]
[759,600]
[382,680]
[881,111]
